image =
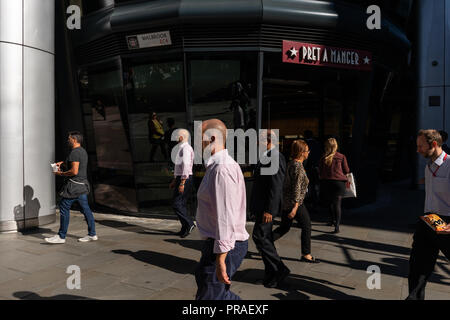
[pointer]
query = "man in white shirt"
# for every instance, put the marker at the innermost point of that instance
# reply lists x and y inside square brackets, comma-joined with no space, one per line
[427,242]
[182,181]
[221,217]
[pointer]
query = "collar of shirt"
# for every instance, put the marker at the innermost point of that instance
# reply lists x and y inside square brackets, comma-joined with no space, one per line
[220,157]
[440,159]
[183,144]
[267,151]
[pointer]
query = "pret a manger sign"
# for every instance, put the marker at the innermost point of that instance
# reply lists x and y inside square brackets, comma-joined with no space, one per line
[325,56]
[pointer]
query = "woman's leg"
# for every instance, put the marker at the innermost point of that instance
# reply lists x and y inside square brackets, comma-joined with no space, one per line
[338,211]
[305,223]
[326,197]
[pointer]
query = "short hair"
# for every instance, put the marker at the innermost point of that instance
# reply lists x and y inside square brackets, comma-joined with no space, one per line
[297,148]
[77,136]
[431,135]
[444,135]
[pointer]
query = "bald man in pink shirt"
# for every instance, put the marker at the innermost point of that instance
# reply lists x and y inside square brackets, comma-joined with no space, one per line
[221,217]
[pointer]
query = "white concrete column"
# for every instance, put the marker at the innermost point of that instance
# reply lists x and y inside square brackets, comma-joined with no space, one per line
[27,114]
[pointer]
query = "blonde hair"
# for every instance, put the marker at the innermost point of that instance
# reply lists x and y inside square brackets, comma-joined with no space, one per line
[331,147]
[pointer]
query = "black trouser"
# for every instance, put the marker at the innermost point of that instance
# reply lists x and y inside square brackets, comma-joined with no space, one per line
[424,253]
[302,216]
[155,143]
[331,193]
[180,202]
[263,238]
[208,286]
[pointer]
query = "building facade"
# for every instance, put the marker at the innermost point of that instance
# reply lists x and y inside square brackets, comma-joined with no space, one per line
[291,65]
[433,69]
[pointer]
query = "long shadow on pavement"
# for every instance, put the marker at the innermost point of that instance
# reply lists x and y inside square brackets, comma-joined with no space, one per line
[191,244]
[162,260]
[297,286]
[125,226]
[27,295]
[38,233]
[384,247]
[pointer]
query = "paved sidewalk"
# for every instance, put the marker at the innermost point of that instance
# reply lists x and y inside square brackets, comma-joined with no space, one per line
[141,258]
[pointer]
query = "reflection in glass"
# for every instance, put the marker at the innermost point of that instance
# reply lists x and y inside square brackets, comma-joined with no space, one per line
[156,106]
[224,87]
[105,121]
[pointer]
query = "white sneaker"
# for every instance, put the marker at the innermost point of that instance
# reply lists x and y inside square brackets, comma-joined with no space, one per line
[88,238]
[55,239]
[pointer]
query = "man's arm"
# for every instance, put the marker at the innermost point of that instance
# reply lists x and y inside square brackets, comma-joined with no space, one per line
[275,187]
[224,196]
[221,268]
[186,165]
[70,173]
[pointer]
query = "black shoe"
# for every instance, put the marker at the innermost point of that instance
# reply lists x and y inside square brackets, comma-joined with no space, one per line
[283,275]
[270,281]
[182,231]
[336,230]
[188,231]
[268,278]
[313,260]
[278,278]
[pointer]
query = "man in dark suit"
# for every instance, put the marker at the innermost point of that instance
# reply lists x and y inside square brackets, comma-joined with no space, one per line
[266,204]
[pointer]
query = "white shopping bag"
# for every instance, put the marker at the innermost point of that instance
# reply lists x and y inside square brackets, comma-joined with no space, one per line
[350,192]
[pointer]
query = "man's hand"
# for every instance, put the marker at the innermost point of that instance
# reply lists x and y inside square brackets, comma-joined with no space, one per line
[181,188]
[267,217]
[447,229]
[221,268]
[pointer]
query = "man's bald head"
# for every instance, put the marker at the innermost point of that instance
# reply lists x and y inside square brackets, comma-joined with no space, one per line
[183,134]
[215,131]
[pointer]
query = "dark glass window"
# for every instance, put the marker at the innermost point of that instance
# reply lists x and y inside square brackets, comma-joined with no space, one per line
[299,98]
[106,125]
[156,106]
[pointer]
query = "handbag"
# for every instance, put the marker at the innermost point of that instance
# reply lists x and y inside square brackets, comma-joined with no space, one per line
[350,192]
[73,189]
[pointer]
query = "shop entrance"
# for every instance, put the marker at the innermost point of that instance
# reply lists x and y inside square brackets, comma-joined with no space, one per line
[297,99]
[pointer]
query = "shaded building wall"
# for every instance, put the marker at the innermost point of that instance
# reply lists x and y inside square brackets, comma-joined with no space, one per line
[433,68]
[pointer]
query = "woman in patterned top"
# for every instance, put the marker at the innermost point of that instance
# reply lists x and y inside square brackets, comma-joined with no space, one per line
[294,191]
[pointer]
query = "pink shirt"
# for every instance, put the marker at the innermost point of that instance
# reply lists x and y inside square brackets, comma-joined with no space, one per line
[221,198]
[184,161]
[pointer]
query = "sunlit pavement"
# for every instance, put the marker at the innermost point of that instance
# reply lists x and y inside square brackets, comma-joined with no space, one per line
[142,258]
